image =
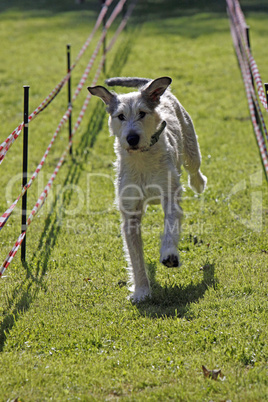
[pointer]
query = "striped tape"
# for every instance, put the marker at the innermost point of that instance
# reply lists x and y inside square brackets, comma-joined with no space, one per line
[89,39]
[237,26]
[5,146]
[8,212]
[114,14]
[237,13]
[41,200]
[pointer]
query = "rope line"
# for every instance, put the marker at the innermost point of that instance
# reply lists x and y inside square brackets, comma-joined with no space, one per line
[8,212]
[253,66]
[89,39]
[5,146]
[238,31]
[41,200]
[114,14]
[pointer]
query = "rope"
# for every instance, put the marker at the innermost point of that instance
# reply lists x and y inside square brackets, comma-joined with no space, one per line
[236,10]
[5,146]
[44,194]
[238,32]
[8,212]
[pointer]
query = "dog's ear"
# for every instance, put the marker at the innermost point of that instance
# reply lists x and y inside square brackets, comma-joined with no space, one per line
[156,89]
[102,93]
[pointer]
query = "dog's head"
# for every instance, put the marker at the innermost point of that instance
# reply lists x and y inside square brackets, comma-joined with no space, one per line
[134,117]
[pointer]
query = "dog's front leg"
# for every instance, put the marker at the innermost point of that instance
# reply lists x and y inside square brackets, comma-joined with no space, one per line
[172,223]
[134,254]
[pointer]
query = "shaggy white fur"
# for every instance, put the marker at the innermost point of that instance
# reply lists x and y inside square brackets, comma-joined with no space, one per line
[149,169]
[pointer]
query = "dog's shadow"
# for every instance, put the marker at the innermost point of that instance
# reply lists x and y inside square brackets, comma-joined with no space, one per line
[175,300]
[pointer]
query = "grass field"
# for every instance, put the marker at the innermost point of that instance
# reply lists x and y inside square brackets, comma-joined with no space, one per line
[67,330]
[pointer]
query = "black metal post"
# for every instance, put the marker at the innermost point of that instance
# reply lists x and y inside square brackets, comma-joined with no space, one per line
[257,116]
[266,91]
[24,169]
[252,80]
[124,11]
[69,93]
[247,34]
[104,41]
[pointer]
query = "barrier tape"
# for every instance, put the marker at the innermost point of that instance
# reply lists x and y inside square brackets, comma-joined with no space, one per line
[251,97]
[88,41]
[122,24]
[44,194]
[36,208]
[5,146]
[240,45]
[8,212]
[12,253]
[236,10]
[114,14]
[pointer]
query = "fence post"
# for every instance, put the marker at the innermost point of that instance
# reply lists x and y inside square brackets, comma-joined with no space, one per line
[124,10]
[24,169]
[252,79]
[247,35]
[104,41]
[266,91]
[69,93]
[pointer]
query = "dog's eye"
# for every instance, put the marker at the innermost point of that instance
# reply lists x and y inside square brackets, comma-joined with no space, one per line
[142,115]
[121,117]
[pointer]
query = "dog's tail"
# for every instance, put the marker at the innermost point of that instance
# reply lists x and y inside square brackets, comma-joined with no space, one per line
[132,82]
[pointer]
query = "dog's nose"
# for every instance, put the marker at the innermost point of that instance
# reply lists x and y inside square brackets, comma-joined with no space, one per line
[133,139]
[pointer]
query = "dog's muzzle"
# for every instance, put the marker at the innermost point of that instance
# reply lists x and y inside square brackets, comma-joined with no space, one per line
[133,139]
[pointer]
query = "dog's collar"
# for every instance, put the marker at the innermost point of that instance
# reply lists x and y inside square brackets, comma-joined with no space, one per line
[156,135]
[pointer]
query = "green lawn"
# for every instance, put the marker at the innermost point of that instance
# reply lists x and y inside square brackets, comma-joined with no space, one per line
[67,330]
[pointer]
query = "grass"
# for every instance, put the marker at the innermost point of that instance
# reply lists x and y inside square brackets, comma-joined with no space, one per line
[67,331]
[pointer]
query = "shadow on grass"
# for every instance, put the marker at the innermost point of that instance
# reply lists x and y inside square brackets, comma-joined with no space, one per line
[19,302]
[27,291]
[185,18]
[160,9]
[174,301]
[191,19]
[146,10]
[48,7]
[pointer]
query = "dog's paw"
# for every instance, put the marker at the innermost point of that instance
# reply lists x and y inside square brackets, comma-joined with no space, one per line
[169,257]
[140,294]
[171,260]
[197,182]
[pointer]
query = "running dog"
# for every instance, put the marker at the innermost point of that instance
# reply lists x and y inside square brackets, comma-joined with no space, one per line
[154,136]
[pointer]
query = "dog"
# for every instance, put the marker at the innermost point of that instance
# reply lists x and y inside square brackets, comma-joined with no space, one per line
[154,136]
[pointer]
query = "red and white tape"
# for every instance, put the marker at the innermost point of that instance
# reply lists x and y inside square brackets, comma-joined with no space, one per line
[237,25]
[89,39]
[5,146]
[114,14]
[238,14]
[44,194]
[258,80]
[12,253]
[8,212]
